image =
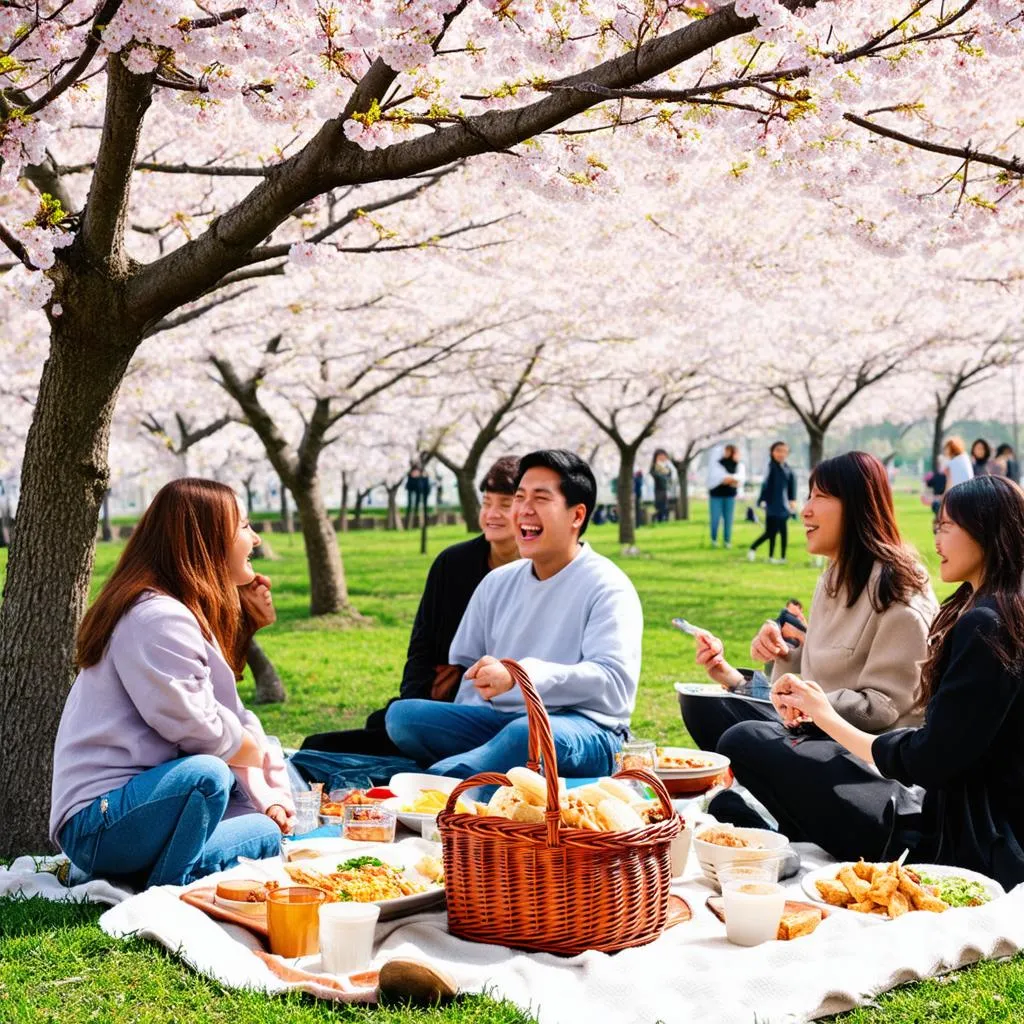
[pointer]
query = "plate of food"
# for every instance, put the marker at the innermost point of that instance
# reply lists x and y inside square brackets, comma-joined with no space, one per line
[891,890]
[419,797]
[683,762]
[399,880]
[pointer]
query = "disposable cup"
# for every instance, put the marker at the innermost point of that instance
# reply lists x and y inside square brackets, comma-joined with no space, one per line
[293,920]
[346,936]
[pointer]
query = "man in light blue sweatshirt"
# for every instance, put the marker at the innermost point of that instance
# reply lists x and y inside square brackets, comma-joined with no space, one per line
[567,614]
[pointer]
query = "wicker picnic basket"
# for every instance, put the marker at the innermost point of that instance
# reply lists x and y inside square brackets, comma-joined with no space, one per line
[548,887]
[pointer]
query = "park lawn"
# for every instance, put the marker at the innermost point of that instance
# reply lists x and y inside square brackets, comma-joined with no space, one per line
[56,965]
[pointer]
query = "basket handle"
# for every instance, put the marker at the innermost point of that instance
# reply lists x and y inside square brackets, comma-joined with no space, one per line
[541,748]
[652,780]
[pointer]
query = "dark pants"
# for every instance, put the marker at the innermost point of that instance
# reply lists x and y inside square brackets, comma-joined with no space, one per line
[661,506]
[373,739]
[820,793]
[707,718]
[775,526]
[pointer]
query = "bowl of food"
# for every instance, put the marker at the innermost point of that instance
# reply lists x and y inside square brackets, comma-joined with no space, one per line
[420,797]
[242,895]
[685,771]
[717,845]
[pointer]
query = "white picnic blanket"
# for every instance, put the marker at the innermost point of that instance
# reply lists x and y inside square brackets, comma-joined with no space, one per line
[692,973]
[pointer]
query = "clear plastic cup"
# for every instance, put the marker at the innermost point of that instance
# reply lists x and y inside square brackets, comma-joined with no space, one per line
[293,921]
[754,901]
[430,831]
[346,936]
[307,811]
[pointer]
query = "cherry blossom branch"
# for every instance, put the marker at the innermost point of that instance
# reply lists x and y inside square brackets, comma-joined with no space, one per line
[1015,165]
[16,248]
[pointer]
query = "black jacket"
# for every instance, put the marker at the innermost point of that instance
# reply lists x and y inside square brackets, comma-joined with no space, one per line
[969,757]
[455,574]
[778,489]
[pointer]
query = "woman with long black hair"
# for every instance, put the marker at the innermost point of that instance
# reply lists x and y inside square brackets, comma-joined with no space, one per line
[968,755]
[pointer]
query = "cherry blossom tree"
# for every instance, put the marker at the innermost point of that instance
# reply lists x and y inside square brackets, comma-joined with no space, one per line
[167,153]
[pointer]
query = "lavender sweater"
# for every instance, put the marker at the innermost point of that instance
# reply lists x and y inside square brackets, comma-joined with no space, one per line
[160,692]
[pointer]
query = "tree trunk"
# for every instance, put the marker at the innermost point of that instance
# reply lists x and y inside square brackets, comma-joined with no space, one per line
[269,688]
[815,445]
[249,496]
[357,510]
[328,592]
[108,533]
[939,429]
[682,467]
[393,520]
[468,500]
[624,497]
[287,520]
[343,511]
[64,477]
[423,529]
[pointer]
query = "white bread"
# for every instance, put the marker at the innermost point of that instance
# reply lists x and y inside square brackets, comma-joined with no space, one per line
[529,813]
[620,791]
[591,794]
[504,802]
[617,816]
[531,785]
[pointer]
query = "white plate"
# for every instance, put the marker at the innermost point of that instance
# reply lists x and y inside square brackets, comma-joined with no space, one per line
[410,819]
[992,887]
[718,763]
[404,857]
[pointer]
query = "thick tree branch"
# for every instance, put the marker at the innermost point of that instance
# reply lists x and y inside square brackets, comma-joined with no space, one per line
[106,209]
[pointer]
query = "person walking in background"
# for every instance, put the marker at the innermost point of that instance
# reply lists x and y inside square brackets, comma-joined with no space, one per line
[959,468]
[412,493]
[638,496]
[981,458]
[1006,461]
[778,496]
[726,477]
[661,474]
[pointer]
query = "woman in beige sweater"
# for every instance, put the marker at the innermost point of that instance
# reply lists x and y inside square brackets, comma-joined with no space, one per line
[868,621]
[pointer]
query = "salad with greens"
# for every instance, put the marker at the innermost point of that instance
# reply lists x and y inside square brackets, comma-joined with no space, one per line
[956,890]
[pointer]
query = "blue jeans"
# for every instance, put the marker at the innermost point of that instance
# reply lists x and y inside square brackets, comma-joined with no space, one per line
[165,827]
[461,740]
[722,511]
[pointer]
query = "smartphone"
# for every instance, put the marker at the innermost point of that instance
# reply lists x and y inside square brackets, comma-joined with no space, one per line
[687,627]
[787,618]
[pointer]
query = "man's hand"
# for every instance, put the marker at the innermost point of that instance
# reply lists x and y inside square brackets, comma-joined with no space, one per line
[279,816]
[490,677]
[768,644]
[257,602]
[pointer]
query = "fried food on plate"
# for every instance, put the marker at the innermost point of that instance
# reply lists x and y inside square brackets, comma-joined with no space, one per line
[888,889]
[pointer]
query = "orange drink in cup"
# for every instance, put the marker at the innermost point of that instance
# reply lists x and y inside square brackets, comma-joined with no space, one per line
[293,920]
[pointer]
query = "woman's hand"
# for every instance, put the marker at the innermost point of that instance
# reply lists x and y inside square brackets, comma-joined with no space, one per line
[711,657]
[279,816]
[257,602]
[801,700]
[769,645]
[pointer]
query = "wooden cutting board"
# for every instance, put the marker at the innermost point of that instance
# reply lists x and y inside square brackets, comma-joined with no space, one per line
[717,907]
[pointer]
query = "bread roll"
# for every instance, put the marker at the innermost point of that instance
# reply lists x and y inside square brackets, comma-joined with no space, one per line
[620,791]
[242,890]
[617,816]
[531,814]
[504,802]
[591,794]
[531,785]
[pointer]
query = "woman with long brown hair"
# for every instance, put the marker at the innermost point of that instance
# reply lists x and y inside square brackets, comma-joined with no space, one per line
[868,620]
[968,754]
[161,775]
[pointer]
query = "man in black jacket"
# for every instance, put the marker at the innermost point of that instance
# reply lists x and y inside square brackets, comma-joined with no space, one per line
[455,574]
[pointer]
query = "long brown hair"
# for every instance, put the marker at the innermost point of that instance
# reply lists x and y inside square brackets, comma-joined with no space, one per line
[869,533]
[179,547]
[990,509]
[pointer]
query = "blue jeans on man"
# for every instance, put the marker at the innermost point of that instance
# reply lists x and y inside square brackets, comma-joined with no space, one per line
[166,826]
[461,740]
[722,512]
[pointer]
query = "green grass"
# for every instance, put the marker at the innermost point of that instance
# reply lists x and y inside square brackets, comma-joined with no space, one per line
[56,965]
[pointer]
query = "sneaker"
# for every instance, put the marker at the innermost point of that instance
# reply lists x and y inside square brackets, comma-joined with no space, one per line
[776,561]
[714,543]
[751,555]
[728,547]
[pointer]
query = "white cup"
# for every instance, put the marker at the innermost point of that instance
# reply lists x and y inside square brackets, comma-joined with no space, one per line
[346,936]
[679,851]
[753,908]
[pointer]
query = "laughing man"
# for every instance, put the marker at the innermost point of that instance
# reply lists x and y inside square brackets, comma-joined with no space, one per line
[567,614]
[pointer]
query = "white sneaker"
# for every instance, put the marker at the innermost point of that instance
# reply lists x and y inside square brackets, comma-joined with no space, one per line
[728,547]
[776,561]
[714,543]
[751,555]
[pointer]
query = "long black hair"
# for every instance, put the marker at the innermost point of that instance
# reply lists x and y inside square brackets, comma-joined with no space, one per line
[870,535]
[990,509]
